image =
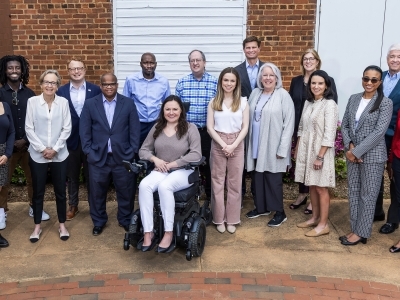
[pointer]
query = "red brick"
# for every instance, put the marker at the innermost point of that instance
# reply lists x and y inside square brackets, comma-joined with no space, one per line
[100,289]
[204,287]
[229,287]
[357,295]
[163,280]
[294,283]
[155,275]
[198,280]
[180,274]
[356,282]
[21,296]
[137,295]
[308,291]
[296,297]
[336,293]
[66,285]
[369,290]
[350,288]
[78,291]
[51,293]
[229,275]
[105,276]
[115,282]
[164,294]
[384,286]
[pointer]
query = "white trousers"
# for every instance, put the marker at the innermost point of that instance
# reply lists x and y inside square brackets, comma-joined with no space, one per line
[166,184]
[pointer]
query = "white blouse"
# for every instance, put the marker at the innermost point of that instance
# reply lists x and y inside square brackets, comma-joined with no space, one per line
[47,129]
[361,107]
[227,121]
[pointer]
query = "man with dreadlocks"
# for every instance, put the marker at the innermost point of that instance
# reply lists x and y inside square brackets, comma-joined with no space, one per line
[14,76]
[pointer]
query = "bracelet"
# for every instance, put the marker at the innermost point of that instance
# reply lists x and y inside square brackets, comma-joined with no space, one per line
[320,158]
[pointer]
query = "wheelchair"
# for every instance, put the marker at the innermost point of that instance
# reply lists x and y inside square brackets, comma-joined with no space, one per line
[190,219]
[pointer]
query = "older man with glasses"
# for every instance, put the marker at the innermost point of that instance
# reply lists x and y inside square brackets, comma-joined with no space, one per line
[76,91]
[14,76]
[198,88]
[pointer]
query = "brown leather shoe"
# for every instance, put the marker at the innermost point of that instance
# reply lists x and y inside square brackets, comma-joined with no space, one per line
[72,212]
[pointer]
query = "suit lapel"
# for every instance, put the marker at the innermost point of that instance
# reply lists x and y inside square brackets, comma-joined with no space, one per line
[395,90]
[118,109]
[366,110]
[100,109]
[245,76]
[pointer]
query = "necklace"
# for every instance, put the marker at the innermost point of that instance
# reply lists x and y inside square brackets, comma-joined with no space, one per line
[255,110]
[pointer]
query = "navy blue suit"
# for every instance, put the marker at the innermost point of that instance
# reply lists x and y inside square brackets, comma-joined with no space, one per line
[394,208]
[76,157]
[124,135]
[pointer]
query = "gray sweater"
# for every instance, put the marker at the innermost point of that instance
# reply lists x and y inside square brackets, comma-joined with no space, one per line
[185,150]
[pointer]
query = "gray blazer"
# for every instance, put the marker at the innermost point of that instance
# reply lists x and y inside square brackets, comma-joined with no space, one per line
[244,78]
[369,136]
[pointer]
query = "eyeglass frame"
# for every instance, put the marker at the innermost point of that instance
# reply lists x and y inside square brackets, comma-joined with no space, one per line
[111,84]
[76,69]
[310,59]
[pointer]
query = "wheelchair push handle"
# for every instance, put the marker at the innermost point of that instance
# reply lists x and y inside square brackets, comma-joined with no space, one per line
[135,167]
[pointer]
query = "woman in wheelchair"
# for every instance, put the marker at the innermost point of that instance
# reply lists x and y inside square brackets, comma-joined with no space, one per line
[171,144]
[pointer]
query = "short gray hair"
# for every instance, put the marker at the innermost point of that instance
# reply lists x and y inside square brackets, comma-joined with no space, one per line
[393,47]
[50,72]
[275,70]
[201,52]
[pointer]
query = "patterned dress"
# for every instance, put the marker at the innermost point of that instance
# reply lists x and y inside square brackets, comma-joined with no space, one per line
[317,128]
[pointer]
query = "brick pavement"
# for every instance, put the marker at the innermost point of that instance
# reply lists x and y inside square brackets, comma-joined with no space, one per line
[197,285]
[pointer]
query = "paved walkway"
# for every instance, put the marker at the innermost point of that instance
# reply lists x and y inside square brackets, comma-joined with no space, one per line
[255,262]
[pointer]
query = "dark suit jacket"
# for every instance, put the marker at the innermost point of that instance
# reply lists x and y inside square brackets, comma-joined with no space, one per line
[296,92]
[244,78]
[395,97]
[95,131]
[91,91]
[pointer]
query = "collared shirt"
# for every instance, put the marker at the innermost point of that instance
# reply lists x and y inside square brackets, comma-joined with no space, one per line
[78,96]
[18,111]
[48,129]
[109,108]
[252,72]
[148,94]
[198,93]
[389,82]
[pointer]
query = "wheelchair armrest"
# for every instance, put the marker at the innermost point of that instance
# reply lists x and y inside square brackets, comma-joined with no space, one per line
[197,163]
[135,167]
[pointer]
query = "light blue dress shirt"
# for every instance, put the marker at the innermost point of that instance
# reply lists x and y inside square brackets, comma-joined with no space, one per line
[78,96]
[252,72]
[109,108]
[148,94]
[389,82]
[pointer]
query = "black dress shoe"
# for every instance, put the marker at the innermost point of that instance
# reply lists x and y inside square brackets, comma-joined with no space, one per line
[342,238]
[345,241]
[380,217]
[3,242]
[296,206]
[169,249]
[388,228]
[149,247]
[97,230]
[394,249]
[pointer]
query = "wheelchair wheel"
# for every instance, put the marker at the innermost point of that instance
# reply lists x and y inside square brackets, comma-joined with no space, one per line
[126,244]
[205,213]
[198,239]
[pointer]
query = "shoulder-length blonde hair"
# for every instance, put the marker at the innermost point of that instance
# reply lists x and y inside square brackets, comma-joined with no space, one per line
[219,97]
[315,54]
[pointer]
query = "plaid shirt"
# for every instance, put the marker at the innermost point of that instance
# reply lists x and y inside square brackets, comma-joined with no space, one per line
[198,93]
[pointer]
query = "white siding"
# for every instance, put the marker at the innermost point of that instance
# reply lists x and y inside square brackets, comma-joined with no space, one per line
[352,34]
[171,29]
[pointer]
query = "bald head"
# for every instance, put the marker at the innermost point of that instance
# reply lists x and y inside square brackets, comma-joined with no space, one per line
[148,64]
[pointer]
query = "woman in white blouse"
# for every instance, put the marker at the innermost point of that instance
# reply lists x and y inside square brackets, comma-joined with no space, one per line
[227,124]
[47,126]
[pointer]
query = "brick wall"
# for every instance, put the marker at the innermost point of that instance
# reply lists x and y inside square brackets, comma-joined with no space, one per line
[5,32]
[48,34]
[286,28]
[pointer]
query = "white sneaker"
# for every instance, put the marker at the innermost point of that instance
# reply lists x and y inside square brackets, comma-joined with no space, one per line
[2,219]
[45,216]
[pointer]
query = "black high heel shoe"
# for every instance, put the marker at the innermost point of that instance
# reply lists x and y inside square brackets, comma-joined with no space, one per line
[394,249]
[296,206]
[345,242]
[169,249]
[149,247]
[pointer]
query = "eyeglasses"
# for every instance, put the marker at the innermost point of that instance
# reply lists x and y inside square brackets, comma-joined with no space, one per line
[192,61]
[367,79]
[49,83]
[14,101]
[310,59]
[76,69]
[112,84]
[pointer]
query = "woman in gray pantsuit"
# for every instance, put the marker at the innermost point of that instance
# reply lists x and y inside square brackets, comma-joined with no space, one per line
[365,122]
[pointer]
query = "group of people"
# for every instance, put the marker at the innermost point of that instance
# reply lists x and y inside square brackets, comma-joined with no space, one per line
[244,121]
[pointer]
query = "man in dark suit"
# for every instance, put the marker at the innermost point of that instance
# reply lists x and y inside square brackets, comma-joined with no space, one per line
[391,89]
[76,92]
[110,133]
[248,71]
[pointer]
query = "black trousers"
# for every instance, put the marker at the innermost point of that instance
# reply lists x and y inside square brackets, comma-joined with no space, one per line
[76,160]
[394,209]
[125,188]
[205,151]
[393,215]
[145,128]
[39,177]
[268,191]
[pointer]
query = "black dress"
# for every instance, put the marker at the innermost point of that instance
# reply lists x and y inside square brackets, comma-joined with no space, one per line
[7,138]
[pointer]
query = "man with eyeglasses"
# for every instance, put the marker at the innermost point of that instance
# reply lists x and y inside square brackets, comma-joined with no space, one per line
[248,71]
[14,76]
[110,133]
[391,89]
[148,90]
[198,88]
[76,91]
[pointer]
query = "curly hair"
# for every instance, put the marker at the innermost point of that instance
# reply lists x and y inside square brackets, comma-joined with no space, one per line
[181,128]
[24,68]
